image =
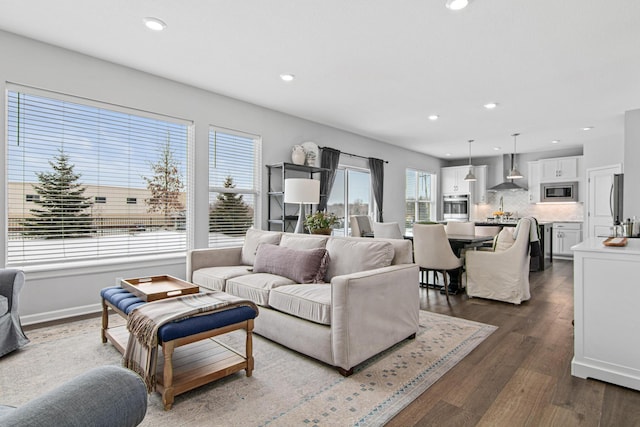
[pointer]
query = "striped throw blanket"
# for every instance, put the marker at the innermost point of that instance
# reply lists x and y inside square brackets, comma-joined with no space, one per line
[141,355]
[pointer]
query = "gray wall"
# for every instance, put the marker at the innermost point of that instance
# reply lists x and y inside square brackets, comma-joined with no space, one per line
[631,167]
[52,292]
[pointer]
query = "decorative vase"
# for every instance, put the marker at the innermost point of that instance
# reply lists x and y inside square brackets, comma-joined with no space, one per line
[298,155]
[325,231]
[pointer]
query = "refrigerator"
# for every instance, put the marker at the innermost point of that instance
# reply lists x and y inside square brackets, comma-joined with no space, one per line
[616,199]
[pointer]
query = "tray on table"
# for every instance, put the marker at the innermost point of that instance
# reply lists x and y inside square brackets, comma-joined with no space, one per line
[153,288]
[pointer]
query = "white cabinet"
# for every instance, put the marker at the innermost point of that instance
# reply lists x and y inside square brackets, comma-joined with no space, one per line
[566,235]
[453,180]
[534,182]
[606,295]
[560,169]
[479,187]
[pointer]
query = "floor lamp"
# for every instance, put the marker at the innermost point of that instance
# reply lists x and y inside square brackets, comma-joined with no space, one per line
[304,192]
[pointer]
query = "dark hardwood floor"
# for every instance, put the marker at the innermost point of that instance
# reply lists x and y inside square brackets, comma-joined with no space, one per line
[520,375]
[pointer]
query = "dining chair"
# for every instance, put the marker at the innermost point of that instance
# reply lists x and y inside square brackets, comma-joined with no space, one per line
[488,230]
[432,251]
[360,225]
[503,274]
[459,227]
[388,230]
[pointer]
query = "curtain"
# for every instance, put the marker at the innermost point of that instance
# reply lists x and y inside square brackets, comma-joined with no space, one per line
[329,160]
[377,182]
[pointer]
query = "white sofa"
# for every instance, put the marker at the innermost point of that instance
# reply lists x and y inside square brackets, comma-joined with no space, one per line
[368,303]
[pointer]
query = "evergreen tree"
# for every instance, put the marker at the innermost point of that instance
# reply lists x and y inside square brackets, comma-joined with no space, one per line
[230,215]
[62,204]
[165,185]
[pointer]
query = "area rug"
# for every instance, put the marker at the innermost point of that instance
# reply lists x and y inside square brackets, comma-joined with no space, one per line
[286,388]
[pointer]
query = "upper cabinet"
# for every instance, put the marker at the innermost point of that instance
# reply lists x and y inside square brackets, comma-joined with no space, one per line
[479,187]
[534,182]
[560,169]
[453,180]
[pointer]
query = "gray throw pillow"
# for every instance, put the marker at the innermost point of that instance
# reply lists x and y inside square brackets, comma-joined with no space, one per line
[300,265]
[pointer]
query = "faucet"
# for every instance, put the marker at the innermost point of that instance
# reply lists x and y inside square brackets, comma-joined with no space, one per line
[501,204]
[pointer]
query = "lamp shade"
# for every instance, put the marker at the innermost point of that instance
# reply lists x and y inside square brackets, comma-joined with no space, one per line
[302,190]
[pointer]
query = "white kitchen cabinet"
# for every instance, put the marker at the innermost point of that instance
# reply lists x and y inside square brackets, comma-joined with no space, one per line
[560,169]
[566,235]
[453,180]
[606,295]
[534,182]
[479,187]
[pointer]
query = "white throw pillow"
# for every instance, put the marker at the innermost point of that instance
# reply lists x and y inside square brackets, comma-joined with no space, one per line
[505,239]
[348,255]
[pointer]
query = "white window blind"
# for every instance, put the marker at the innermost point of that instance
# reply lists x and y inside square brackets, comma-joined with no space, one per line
[86,162]
[419,195]
[234,182]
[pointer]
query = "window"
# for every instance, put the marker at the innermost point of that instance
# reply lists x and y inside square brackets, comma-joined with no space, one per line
[132,200]
[234,183]
[419,195]
[351,189]
[32,198]
[74,154]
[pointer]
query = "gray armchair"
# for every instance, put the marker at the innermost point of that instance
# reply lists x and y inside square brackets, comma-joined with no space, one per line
[105,396]
[11,335]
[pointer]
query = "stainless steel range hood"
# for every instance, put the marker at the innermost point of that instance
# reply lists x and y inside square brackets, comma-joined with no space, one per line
[507,185]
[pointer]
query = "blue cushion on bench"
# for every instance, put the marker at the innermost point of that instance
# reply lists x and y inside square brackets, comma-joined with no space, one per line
[125,301]
[207,322]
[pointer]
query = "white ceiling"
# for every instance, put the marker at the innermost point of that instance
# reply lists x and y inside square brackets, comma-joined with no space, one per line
[380,67]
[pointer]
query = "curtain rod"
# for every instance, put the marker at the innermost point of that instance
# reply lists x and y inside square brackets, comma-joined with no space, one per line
[354,155]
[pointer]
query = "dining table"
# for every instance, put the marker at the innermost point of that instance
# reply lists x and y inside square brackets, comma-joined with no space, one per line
[458,242]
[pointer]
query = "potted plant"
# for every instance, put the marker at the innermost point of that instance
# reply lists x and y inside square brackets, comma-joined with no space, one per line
[320,222]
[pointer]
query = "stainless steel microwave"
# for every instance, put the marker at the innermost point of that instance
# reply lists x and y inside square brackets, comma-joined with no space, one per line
[559,192]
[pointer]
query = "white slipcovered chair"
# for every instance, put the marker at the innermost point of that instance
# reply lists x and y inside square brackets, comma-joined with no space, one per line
[12,336]
[503,274]
[387,230]
[360,225]
[432,251]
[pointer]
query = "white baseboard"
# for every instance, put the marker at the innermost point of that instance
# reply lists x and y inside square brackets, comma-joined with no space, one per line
[60,314]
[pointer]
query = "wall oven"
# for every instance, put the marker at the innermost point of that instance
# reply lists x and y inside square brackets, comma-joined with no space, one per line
[559,192]
[455,208]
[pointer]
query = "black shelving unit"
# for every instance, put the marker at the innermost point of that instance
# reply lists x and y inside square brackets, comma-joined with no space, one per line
[281,217]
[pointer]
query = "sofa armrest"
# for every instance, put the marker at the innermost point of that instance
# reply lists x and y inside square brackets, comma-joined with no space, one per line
[212,257]
[373,310]
[104,396]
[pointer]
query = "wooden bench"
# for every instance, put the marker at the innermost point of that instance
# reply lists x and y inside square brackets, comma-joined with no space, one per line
[180,367]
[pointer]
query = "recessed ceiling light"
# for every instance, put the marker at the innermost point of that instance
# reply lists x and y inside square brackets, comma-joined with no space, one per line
[154,24]
[456,4]
[555,141]
[490,105]
[497,148]
[287,77]
[434,117]
[587,128]
[448,154]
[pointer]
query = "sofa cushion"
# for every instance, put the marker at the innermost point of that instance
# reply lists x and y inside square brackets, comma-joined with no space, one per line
[255,287]
[310,302]
[253,239]
[303,241]
[299,265]
[215,278]
[348,255]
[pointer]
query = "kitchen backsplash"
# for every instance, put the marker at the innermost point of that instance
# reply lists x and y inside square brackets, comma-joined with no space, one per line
[517,202]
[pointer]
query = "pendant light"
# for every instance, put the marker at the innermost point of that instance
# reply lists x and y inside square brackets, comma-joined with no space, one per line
[470,176]
[514,173]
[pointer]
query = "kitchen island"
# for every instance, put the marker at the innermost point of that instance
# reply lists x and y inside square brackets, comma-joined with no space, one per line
[606,315]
